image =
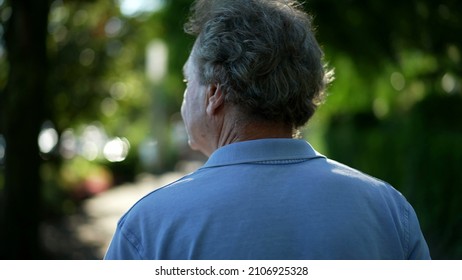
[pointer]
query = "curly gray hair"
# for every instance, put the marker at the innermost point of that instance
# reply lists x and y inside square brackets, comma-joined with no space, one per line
[263,54]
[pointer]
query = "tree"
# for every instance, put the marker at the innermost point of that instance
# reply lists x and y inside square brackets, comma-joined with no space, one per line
[21,115]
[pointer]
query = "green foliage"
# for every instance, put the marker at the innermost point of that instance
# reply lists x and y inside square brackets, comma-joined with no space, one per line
[98,74]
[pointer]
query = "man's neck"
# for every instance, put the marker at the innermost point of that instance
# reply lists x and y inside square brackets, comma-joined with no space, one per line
[234,130]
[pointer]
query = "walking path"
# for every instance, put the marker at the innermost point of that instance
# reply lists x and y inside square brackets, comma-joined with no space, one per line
[87,234]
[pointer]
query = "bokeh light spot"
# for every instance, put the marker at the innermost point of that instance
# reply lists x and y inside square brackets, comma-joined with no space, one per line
[87,56]
[398,82]
[448,83]
[48,139]
[116,150]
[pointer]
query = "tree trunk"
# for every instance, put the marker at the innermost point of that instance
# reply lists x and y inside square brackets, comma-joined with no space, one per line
[22,115]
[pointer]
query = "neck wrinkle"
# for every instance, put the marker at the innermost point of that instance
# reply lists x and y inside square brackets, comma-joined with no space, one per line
[233,131]
[231,127]
[228,133]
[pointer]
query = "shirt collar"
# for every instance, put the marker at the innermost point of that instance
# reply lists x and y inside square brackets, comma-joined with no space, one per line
[276,149]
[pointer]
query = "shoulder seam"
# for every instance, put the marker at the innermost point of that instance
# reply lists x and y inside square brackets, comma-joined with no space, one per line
[132,239]
[406,229]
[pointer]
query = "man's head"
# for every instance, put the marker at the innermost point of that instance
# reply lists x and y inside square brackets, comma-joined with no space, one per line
[263,57]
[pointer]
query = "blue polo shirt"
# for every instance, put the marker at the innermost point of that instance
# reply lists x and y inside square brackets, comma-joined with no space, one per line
[271,199]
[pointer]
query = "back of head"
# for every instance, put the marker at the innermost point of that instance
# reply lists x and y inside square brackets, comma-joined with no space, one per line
[263,54]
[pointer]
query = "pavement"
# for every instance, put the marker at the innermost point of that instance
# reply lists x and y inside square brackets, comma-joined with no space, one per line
[86,234]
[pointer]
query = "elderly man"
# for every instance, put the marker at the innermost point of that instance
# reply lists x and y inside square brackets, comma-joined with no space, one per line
[254,76]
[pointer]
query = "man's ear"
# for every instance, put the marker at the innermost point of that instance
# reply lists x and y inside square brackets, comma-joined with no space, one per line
[215,99]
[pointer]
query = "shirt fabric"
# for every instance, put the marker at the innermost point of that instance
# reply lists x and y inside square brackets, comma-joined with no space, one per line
[271,199]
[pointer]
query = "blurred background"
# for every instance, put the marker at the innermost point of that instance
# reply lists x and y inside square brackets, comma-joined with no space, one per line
[90,93]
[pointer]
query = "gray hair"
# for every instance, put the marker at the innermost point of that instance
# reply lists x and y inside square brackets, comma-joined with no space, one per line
[263,54]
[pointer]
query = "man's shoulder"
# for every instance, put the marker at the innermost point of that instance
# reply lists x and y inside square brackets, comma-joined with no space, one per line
[358,179]
[171,189]
[165,197]
[347,170]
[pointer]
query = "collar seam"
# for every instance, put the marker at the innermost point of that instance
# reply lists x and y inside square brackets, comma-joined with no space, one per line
[264,162]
